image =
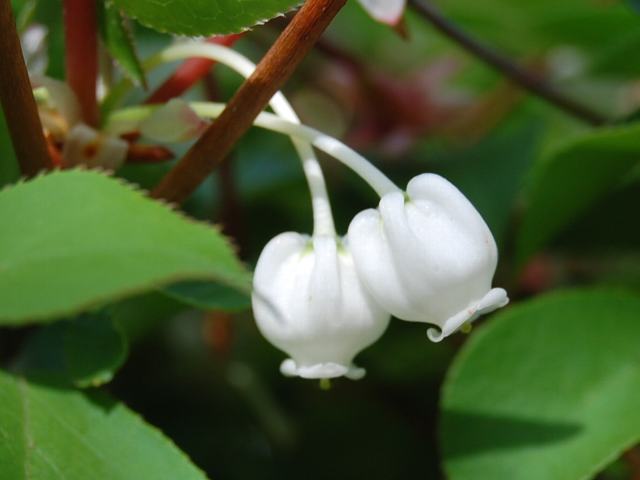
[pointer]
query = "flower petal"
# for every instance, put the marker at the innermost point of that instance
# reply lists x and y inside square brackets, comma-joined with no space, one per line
[376,265]
[385,11]
[496,298]
[173,122]
[85,146]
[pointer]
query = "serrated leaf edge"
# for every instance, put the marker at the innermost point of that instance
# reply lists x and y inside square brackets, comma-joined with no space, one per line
[238,284]
[257,23]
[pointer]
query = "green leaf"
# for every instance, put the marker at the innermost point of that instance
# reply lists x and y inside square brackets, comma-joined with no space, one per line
[77,239]
[208,296]
[573,178]
[49,432]
[85,351]
[204,17]
[548,389]
[118,38]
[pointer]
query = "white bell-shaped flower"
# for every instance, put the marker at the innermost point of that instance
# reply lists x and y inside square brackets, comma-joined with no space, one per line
[427,256]
[309,302]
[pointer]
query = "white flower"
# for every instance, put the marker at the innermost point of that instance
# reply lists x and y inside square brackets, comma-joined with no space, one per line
[309,302]
[385,11]
[86,146]
[83,145]
[173,122]
[427,256]
[59,108]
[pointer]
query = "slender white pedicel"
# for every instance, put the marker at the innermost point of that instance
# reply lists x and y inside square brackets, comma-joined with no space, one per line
[128,119]
[323,219]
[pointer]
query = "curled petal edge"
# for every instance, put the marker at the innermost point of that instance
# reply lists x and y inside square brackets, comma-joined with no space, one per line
[496,298]
[289,368]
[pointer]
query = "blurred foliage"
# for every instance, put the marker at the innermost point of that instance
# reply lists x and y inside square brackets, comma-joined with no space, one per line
[604,159]
[85,351]
[118,39]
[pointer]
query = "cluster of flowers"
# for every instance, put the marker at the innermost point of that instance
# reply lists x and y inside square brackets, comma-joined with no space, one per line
[424,255]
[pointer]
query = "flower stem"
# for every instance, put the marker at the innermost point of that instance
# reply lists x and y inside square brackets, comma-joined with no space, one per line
[326,143]
[273,71]
[506,66]
[81,55]
[17,100]
[323,218]
[129,119]
[189,73]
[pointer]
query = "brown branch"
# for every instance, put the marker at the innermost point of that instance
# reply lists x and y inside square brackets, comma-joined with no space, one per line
[272,72]
[17,100]
[506,66]
[81,55]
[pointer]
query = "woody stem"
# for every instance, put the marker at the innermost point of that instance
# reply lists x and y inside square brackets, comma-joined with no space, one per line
[17,100]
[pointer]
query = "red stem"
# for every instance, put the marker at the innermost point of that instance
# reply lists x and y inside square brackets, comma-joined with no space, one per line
[81,49]
[148,154]
[189,73]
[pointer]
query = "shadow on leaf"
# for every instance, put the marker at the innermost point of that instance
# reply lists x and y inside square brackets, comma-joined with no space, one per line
[470,433]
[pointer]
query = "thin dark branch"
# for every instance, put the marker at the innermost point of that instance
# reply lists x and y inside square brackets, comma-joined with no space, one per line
[506,66]
[17,100]
[272,72]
